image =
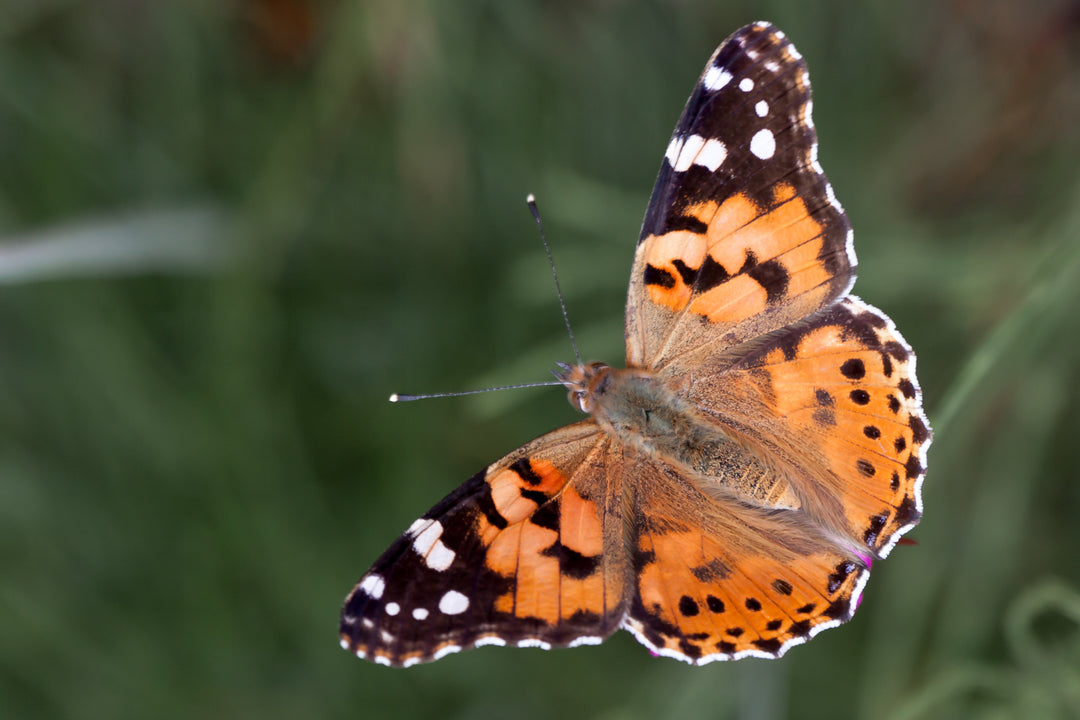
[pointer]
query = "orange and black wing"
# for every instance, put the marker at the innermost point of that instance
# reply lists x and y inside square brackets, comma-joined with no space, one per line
[743,234]
[526,553]
[727,580]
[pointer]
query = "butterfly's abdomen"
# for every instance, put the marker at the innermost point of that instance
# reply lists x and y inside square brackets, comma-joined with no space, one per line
[641,412]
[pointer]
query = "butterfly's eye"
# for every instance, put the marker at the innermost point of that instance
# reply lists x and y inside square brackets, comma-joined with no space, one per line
[581,400]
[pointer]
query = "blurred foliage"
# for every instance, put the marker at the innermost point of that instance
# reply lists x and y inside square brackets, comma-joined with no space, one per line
[231,229]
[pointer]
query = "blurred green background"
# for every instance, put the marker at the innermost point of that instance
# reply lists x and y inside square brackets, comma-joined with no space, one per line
[231,229]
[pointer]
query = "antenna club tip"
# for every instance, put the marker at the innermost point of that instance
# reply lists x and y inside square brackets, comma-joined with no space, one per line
[394,398]
[530,198]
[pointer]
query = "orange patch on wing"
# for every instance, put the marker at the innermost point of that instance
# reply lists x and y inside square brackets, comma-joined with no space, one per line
[786,234]
[507,484]
[540,590]
[733,301]
[580,526]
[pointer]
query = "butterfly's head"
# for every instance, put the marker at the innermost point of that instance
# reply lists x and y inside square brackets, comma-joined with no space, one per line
[582,381]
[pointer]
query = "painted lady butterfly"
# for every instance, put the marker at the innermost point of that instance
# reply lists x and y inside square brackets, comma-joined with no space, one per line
[765,442]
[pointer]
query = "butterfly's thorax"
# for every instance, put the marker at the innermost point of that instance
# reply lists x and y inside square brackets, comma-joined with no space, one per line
[641,411]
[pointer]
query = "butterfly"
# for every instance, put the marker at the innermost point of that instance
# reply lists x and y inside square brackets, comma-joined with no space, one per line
[730,487]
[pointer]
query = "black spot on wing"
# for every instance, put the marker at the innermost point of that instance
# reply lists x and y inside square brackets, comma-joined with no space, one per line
[919,432]
[770,645]
[860,397]
[659,277]
[913,467]
[688,606]
[710,275]
[886,365]
[689,649]
[486,504]
[837,578]
[877,522]
[524,470]
[782,586]
[853,369]
[687,273]
[547,515]
[908,512]
[770,275]
[679,222]
[710,571]
[897,350]
[537,496]
[572,563]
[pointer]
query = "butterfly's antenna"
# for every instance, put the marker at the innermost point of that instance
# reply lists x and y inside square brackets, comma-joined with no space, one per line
[399,397]
[531,200]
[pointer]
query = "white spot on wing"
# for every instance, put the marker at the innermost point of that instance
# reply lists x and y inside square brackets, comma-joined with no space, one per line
[690,148]
[344,644]
[585,640]
[534,642]
[373,585]
[746,84]
[715,78]
[673,149]
[453,603]
[444,651]
[490,640]
[772,66]
[795,54]
[711,155]
[392,608]
[763,144]
[420,613]
[762,108]
[428,545]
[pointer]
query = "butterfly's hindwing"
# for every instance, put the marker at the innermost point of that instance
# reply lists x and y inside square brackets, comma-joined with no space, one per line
[726,581]
[835,400]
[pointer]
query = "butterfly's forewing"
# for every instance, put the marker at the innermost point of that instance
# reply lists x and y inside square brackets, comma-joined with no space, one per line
[743,234]
[527,552]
